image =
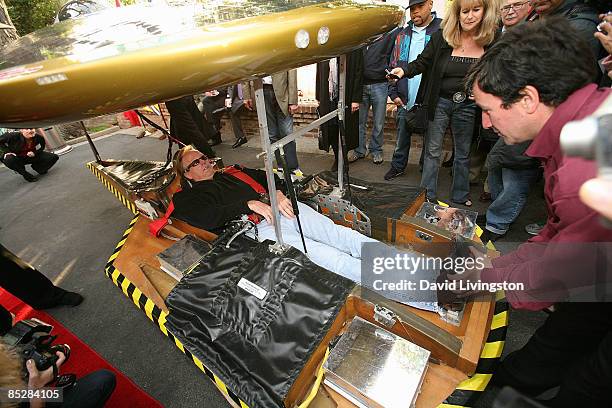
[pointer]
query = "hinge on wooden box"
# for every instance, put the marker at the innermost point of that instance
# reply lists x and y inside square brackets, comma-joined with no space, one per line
[384,316]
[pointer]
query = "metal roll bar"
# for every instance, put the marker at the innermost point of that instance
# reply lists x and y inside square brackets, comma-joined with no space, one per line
[269,148]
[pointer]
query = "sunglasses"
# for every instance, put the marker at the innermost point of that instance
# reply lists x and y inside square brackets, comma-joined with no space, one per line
[197,162]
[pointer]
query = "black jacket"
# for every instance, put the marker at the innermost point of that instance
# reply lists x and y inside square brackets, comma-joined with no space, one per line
[432,63]
[376,58]
[353,93]
[210,204]
[14,142]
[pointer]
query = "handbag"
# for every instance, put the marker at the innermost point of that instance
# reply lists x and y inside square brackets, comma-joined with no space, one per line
[421,120]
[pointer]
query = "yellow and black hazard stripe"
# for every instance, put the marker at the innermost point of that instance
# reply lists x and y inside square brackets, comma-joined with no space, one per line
[111,187]
[471,389]
[158,316]
[466,393]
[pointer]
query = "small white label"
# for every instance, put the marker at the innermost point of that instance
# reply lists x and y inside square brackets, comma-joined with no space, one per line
[252,288]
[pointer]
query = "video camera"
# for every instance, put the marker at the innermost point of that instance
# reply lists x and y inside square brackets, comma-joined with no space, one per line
[31,339]
[591,138]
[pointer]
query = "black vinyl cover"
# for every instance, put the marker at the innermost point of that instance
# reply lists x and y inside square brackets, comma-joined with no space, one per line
[256,347]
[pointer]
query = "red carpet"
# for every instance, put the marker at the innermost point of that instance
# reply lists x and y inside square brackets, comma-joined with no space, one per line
[82,359]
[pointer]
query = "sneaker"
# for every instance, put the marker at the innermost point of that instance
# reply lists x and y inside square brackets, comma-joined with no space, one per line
[534,229]
[353,156]
[393,173]
[377,158]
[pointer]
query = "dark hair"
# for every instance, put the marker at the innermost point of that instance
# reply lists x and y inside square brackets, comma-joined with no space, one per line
[547,54]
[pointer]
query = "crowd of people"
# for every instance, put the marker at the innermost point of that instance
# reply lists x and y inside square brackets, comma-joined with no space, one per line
[429,60]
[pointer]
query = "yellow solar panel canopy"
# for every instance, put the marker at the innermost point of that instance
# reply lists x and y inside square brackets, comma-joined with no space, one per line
[128,57]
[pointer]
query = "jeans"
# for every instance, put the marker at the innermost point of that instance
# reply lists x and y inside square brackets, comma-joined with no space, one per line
[461,118]
[329,245]
[509,191]
[374,95]
[280,126]
[404,122]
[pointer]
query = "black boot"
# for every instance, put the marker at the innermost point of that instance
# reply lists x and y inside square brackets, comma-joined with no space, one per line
[30,178]
[215,140]
[239,142]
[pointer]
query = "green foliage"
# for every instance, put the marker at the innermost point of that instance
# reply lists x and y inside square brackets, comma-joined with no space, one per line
[30,15]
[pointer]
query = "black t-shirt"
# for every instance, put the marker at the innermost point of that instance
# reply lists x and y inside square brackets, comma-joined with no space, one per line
[210,204]
[454,75]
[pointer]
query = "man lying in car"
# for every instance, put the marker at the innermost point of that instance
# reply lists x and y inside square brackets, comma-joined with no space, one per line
[211,197]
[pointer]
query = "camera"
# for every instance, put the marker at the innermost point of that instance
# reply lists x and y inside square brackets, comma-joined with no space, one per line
[31,340]
[591,138]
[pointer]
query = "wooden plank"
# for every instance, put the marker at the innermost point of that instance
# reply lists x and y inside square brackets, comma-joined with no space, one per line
[141,248]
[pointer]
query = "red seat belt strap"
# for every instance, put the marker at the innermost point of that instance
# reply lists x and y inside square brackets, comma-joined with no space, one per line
[156,226]
[245,178]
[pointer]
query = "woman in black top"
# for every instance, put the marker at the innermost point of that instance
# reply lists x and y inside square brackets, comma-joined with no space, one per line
[470,27]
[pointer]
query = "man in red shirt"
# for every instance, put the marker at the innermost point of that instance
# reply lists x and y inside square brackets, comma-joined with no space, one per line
[529,85]
[18,149]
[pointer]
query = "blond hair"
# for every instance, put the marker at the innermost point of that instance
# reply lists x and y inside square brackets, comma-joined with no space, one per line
[485,33]
[177,161]
[10,369]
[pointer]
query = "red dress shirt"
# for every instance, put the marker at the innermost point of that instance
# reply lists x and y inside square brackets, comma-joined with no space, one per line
[538,263]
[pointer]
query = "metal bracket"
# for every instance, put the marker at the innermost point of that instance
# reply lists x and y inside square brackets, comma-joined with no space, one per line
[384,316]
[451,316]
[423,236]
[342,211]
[277,248]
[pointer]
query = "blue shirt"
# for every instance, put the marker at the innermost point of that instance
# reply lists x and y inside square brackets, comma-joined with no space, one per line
[417,45]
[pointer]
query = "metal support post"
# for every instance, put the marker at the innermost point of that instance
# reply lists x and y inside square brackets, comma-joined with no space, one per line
[302,130]
[341,117]
[91,144]
[260,104]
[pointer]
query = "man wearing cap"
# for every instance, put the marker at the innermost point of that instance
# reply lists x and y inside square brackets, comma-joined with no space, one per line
[409,43]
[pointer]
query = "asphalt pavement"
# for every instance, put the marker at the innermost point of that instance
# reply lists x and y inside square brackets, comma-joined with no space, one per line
[67,224]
